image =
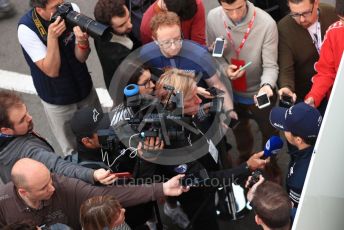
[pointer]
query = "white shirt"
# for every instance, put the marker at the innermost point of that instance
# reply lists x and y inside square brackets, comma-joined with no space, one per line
[315,32]
[31,43]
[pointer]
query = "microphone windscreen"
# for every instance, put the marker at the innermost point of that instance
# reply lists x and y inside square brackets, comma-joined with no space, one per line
[272,146]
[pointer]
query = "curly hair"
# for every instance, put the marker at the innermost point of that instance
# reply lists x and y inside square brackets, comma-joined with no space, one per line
[106,9]
[163,19]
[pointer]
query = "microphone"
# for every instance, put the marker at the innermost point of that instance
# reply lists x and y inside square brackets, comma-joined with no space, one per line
[272,146]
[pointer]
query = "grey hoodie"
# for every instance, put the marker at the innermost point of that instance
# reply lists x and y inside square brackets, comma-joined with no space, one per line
[35,147]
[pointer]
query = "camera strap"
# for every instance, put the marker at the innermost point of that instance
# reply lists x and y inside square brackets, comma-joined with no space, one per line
[42,31]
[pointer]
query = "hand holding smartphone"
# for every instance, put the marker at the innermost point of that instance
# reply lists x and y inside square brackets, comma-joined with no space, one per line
[218,47]
[286,101]
[245,66]
[122,174]
[263,101]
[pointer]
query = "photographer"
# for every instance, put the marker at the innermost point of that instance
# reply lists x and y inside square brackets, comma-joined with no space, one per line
[85,124]
[56,57]
[190,154]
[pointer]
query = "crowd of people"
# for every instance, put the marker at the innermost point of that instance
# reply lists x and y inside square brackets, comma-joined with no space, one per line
[165,137]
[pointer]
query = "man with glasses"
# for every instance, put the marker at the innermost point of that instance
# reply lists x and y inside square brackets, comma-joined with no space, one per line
[329,60]
[169,50]
[300,38]
[251,36]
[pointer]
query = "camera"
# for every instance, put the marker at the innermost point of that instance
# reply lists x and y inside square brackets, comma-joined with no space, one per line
[154,119]
[164,120]
[109,141]
[254,178]
[93,28]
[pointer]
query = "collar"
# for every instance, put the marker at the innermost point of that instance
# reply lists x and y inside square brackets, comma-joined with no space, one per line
[2,135]
[86,154]
[23,207]
[303,153]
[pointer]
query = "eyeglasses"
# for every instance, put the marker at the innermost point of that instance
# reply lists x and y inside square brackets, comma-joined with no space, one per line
[146,83]
[168,44]
[306,14]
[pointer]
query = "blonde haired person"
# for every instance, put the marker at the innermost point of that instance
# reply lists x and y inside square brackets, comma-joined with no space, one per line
[183,82]
[102,212]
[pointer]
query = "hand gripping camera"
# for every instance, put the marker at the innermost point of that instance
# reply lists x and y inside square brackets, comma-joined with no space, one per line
[93,28]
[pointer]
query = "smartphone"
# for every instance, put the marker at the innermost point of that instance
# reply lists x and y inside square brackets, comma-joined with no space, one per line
[286,101]
[245,66]
[233,123]
[263,101]
[199,178]
[215,91]
[218,47]
[122,174]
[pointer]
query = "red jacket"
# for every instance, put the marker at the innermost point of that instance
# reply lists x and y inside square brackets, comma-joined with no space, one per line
[193,29]
[328,64]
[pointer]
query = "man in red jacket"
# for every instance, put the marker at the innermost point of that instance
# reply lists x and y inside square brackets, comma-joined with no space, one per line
[328,64]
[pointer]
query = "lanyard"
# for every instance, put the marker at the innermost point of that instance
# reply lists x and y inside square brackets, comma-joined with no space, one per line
[248,30]
[39,25]
[317,37]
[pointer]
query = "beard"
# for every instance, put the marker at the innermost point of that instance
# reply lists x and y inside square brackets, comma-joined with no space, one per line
[123,33]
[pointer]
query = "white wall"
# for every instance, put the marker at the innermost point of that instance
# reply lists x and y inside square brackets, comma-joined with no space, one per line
[322,201]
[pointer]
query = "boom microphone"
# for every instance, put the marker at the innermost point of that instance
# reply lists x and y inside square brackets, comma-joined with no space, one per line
[272,146]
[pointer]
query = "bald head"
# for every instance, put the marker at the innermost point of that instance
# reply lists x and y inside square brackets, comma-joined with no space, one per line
[26,171]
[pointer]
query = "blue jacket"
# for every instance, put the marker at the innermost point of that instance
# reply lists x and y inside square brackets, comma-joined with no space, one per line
[74,81]
[297,172]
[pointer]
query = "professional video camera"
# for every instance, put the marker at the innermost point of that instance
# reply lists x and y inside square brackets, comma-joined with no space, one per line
[109,141]
[154,119]
[93,28]
[166,120]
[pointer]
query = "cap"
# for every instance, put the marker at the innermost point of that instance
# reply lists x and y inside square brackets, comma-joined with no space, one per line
[301,119]
[88,120]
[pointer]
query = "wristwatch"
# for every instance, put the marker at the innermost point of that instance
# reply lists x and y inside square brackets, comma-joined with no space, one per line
[266,84]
